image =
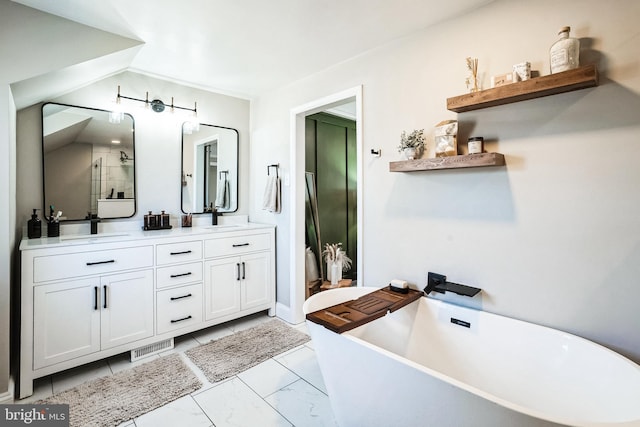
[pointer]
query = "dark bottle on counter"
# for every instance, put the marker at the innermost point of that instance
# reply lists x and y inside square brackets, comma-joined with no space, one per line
[164,220]
[152,221]
[34,226]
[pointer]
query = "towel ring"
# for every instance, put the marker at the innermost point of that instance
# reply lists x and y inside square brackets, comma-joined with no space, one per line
[277,166]
[222,172]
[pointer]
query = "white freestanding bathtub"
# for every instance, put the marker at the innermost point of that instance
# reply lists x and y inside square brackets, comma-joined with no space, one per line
[436,364]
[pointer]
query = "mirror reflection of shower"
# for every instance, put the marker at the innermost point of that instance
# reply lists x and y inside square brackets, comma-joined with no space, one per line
[96,184]
[124,157]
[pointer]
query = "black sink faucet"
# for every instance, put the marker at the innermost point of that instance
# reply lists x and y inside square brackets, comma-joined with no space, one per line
[94,222]
[214,213]
[214,216]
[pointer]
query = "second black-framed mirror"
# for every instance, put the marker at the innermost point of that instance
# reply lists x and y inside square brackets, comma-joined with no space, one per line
[209,169]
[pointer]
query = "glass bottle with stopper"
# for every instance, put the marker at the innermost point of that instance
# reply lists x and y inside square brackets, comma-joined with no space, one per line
[565,52]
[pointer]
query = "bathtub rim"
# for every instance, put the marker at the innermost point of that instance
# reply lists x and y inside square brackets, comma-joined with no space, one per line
[363,290]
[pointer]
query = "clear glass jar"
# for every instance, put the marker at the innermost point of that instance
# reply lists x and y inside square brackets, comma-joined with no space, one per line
[565,52]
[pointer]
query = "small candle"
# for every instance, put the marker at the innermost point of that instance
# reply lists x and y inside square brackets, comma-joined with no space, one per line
[475,144]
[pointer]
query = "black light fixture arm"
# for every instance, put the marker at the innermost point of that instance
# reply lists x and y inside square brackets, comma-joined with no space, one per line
[156,104]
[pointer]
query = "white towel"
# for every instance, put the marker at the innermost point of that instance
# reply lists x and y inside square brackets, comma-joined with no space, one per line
[271,199]
[222,193]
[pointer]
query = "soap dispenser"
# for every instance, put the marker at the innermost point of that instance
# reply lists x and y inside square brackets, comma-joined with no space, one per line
[34,226]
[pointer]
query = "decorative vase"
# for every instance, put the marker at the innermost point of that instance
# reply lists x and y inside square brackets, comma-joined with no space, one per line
[334,272]
[410,153]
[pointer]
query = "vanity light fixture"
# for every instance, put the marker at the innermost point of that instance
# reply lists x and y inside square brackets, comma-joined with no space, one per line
[117,114]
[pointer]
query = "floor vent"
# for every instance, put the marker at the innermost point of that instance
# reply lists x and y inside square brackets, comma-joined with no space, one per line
[151,349]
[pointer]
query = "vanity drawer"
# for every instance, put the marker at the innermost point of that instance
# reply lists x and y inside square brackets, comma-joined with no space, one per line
[179,274]
[171,253]
[236,244]
[54,267]
[178,307]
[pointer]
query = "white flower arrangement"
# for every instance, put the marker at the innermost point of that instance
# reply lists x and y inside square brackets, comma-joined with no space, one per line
[333,253]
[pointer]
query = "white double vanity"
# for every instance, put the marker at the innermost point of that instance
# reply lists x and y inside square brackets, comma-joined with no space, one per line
[84,298]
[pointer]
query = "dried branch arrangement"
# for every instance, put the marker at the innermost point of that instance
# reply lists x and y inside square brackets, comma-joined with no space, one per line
[472,80]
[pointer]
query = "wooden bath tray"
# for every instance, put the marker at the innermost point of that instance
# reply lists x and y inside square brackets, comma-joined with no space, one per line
[351,314]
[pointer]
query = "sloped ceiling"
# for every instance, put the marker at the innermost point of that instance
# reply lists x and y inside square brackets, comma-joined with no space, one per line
[247,47]
[45,55]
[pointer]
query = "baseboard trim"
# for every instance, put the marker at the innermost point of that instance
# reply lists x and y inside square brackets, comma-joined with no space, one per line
[283,312]
[7,396]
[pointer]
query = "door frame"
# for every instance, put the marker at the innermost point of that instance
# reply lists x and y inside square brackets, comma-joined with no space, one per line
[297,217]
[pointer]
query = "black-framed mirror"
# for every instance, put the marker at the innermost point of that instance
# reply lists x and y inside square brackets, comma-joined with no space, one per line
[209,169]
[88,162]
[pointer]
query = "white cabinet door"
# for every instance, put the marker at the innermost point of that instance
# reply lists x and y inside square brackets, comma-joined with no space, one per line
[126,307]
[256,280]
[66,321]
[222,287]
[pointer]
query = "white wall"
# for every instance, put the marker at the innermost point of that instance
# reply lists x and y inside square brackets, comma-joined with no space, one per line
[7,235]
[553,237]
[158,140]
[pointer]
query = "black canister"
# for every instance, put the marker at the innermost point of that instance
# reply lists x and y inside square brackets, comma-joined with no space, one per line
[53,229]
[34,226]
[164,220]
[151,220]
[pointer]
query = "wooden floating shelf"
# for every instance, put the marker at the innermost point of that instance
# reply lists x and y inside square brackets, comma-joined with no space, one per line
[566,81]
[452,162]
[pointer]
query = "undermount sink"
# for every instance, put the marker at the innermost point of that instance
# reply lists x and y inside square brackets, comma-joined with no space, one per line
[91,236]
[222,227]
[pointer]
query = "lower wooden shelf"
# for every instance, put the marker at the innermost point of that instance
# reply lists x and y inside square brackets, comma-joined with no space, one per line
[452,162]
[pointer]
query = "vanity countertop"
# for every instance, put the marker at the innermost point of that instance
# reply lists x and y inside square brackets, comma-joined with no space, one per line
[137,235]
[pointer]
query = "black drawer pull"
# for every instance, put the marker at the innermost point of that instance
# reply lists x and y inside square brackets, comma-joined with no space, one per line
[102,262]
[180,297]
[105,296]
[180,253]
[238,269]
[180,320]
[238,245]
[173,276]
[95,297]
[244,270]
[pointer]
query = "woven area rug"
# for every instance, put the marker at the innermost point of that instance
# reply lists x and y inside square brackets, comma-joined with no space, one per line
[109,401]
[232,354]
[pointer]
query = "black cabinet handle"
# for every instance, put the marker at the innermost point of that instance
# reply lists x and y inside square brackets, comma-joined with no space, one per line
[105,296]
[95,297]
[173,276]
[180,320]
[238,245]
[244,270]
[180,253]
[238,271]
[101,262]
[180,297]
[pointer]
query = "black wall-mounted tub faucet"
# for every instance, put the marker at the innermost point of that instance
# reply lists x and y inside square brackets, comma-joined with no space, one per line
[438,283]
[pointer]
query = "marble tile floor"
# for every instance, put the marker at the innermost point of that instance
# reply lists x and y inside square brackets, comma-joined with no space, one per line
[286,390]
